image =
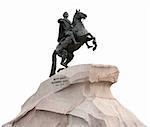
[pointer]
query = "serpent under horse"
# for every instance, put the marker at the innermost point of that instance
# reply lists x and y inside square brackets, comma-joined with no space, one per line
[81,35]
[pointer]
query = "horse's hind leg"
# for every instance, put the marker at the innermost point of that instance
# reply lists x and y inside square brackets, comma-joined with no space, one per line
[69,58]
[64,55]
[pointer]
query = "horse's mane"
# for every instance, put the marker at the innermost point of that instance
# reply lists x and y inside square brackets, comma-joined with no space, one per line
[74,17]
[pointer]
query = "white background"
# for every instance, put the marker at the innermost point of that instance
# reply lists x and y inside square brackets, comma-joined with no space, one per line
[28,36]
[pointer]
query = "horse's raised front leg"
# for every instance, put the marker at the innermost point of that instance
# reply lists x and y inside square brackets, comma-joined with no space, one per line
[88,39]
[94,41]
[89,46]
[95,45]
[92,37]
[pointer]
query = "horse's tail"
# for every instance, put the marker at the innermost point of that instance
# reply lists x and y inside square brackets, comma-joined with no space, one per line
[54,62]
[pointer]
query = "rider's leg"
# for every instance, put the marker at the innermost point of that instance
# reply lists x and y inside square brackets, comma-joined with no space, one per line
[71,35]
[62,45]
[73,39]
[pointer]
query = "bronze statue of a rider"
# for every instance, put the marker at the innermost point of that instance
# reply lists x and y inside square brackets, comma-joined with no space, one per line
[65,32]
[65,37]
[71,37]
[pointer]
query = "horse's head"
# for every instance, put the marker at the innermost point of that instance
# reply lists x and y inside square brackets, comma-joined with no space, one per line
[78,26]
[79,15]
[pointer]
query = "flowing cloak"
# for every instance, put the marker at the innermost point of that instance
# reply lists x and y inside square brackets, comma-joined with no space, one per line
[64,26]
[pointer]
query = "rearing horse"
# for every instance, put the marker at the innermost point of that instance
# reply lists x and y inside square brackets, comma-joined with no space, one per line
[81,35]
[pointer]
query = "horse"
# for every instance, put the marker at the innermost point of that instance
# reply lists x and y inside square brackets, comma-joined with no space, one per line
[81,35]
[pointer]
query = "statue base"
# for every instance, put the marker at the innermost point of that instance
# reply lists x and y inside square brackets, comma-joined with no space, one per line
[78,96]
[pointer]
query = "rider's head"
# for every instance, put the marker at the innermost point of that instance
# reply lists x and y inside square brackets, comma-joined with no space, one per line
[65,15]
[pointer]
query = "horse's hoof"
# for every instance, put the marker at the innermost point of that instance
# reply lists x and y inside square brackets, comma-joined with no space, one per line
[63,64]
[94,48]
[90,47]
[60,69]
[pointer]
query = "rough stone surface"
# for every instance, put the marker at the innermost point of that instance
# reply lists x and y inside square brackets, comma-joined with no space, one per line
[78,96]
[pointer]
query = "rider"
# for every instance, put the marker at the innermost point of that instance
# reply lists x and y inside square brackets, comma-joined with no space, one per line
[65,31]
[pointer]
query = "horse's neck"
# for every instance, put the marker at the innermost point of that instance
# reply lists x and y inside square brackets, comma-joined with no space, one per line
[77,23]
[79,28]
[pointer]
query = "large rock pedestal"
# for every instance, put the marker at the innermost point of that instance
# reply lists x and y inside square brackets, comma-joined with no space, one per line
[78,96]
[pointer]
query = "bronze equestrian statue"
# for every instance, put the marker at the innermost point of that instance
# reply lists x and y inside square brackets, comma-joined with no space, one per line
[71,37]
